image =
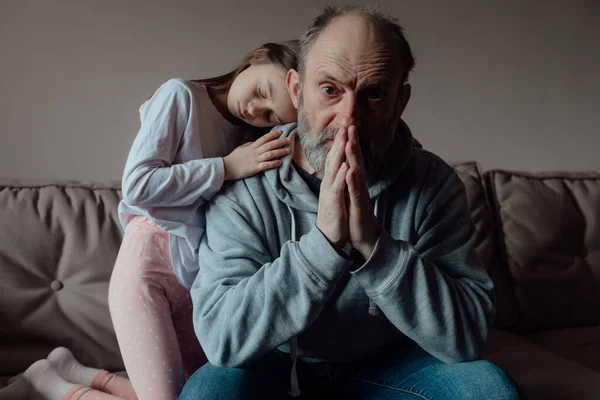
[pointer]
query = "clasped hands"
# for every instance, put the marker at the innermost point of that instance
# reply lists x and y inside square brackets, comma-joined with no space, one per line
[345,213]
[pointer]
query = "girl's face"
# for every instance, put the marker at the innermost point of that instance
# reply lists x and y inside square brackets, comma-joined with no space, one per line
[259,96]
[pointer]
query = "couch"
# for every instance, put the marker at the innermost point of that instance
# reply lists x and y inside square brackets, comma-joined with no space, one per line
[538,236]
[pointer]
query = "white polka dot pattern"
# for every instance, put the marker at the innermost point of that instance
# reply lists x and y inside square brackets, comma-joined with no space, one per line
[150,309]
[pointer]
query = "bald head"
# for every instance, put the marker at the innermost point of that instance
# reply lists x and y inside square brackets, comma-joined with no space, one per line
[384,25]
[357,46]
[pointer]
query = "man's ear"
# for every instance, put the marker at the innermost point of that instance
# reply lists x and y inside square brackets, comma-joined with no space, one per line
[405,93]
[293,84]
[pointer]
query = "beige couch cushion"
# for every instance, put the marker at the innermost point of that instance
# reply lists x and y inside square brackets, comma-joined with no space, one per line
[540,373]
[550,226]
[58,244]
[470,174]
[578,344]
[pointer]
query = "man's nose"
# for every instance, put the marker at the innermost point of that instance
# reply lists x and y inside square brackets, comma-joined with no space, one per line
[349,111]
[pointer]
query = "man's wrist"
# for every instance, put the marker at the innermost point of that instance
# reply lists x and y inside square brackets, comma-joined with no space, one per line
[367,248]
[337,246]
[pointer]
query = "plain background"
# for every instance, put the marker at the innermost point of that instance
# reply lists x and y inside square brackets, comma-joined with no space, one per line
[512,84]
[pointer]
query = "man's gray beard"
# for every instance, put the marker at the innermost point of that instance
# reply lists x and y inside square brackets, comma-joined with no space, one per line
[314,141]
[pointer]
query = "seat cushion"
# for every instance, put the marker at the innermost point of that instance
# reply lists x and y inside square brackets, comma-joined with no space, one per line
[58,244]
[550,235]
[506,309]
[579,344]
[540,373]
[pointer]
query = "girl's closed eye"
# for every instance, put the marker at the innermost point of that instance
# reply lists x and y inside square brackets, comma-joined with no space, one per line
[261,93]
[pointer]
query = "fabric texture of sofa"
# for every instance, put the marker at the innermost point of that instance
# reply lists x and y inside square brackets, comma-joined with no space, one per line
[538,236]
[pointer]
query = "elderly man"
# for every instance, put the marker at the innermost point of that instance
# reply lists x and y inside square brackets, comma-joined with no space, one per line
[349,272]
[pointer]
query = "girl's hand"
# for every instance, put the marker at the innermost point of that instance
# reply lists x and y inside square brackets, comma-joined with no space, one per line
[254,157]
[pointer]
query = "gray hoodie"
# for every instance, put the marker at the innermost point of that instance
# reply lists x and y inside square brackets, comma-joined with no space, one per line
[268,276]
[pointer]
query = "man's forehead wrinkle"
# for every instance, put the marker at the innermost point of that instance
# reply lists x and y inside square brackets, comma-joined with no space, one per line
[331,61]
[377,61]
[335,70]
[377,64]
[355,53]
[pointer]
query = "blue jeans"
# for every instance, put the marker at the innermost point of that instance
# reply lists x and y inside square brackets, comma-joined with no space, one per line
[398,373]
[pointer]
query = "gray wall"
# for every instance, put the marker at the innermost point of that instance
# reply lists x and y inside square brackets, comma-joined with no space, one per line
[512,84]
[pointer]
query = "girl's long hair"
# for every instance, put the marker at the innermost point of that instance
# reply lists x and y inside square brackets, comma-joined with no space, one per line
[283,54]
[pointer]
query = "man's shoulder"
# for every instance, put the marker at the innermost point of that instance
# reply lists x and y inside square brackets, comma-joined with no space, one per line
[242,191]
[427,167]
[428,180]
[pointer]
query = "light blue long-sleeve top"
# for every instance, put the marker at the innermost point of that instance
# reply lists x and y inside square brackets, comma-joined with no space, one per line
[175,165]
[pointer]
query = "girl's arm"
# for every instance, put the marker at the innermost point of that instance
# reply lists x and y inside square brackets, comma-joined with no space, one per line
[150,178]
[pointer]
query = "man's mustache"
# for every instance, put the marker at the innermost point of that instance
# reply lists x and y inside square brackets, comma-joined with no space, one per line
[326,135]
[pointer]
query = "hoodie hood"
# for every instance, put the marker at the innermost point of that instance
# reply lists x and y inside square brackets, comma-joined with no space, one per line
[291,189]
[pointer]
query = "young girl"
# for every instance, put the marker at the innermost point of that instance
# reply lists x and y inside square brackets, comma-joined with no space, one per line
[188,145]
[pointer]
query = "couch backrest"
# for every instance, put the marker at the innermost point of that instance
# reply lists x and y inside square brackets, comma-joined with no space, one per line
[487,242]
[549,226]
[58,244]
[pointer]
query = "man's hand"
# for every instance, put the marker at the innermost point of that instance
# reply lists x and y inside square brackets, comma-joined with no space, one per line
[363,226]
[332,215]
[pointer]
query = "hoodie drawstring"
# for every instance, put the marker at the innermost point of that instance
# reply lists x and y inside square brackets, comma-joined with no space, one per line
[373,309]
[295,388]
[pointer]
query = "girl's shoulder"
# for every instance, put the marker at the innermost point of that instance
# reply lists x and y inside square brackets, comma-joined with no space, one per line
[178,85]
[177,91]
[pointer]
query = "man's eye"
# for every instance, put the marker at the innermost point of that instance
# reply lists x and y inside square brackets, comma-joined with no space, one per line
[260,93]
[329,90]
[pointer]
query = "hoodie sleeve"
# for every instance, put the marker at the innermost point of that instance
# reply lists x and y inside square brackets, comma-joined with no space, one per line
[151,178]
[247,302]
[435,292]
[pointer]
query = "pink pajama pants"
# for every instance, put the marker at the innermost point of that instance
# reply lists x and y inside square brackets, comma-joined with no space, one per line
[152,314]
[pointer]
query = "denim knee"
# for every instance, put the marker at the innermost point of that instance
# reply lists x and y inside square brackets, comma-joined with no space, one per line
[460,381]
[481,379]
[262,380]
[210,382]
[506,387]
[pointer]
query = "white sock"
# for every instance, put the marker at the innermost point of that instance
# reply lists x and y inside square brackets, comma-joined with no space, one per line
[46,382]
[70,369]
